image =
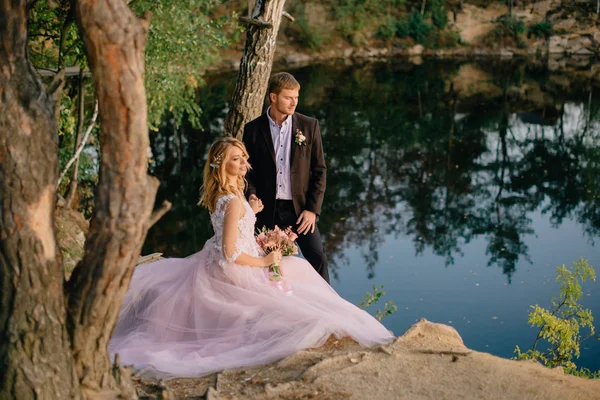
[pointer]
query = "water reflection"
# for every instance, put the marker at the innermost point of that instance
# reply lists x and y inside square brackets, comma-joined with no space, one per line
[442,153]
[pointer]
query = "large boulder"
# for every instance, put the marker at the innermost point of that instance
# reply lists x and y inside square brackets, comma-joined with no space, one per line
[558,44]
[474,23]
[432,337]
[416,50]
[580,45]
[565,25]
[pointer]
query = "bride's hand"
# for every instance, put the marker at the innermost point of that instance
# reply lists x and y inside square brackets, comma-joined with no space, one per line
[256,204]
[273,257]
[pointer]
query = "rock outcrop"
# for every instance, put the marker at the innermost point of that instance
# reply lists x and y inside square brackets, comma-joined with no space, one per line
[428,362]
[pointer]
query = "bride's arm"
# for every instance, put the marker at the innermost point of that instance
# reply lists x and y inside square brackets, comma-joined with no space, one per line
[234,211]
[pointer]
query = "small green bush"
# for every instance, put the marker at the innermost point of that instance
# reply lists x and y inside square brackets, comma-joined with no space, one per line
[304,34]
[403,29]
[443,39]
[541,29]
[439,15]
[561,325]
[372,298]
[416,27]
[511,25]
[388,29]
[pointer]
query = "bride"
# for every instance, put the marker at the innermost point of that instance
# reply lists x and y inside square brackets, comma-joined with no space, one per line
[217,309]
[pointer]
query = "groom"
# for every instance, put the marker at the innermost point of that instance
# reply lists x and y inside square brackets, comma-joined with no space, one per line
[288,169]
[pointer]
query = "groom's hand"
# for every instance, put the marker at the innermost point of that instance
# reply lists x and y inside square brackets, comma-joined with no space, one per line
[307,222]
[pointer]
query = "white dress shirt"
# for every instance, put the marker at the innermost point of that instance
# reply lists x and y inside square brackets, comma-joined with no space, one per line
[282,142]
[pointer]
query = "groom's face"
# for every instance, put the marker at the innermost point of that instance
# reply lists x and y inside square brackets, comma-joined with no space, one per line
[286,101]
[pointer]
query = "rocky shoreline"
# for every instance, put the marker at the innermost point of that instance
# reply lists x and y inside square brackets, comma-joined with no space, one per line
[573,42]
[429,361]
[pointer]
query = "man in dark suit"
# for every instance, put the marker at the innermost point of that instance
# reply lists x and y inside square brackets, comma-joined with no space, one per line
[288,169]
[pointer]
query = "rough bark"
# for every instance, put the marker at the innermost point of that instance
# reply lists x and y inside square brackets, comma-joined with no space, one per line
[255,67]
[35,356]
[114,40]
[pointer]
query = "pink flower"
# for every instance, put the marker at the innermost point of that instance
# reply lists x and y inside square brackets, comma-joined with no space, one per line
[277,239]
[261,238]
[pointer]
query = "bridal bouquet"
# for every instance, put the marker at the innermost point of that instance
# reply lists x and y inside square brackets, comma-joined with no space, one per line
[277,239]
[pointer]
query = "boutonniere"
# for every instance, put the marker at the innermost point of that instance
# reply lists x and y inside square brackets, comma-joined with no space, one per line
[300,139]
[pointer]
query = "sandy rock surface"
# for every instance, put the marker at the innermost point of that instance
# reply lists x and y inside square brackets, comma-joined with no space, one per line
[429,361]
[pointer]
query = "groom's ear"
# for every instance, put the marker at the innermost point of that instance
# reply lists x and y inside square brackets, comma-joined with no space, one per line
[272,97]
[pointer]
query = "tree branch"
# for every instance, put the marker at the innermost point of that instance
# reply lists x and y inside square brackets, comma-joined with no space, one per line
[292,19]
[70,194]
[81,146]
[158,214]
[256,22]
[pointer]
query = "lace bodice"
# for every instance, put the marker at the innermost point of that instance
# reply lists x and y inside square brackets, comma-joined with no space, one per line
[246,242]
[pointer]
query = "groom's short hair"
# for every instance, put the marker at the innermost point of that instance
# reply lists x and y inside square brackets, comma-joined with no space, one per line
[282,80]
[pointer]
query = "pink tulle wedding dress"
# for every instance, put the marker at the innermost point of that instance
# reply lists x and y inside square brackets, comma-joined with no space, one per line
[201,314]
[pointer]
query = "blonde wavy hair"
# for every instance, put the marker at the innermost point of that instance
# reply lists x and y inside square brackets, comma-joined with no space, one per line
[215,176]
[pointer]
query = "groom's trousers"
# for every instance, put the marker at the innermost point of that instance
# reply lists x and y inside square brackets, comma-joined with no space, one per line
[310,244]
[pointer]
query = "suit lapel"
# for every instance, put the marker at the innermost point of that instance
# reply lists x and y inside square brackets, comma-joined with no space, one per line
[292,138]
[266,133]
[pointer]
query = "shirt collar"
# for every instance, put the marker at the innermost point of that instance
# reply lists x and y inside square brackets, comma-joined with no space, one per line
[287,120]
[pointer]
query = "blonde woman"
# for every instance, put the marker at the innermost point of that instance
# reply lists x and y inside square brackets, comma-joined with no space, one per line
[216,309]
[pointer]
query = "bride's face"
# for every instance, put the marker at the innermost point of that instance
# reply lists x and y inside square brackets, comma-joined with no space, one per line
[236,165]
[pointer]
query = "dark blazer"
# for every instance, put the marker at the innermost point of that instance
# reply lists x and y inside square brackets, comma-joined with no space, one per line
[307,172]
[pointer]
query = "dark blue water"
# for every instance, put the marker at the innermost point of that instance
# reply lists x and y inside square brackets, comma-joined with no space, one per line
[458,187]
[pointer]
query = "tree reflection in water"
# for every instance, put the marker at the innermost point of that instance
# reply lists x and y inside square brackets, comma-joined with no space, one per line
[427,151]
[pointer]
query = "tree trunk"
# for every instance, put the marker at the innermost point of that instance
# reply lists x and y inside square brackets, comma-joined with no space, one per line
[114,40]
[72,190]
[35,356]
[255,67]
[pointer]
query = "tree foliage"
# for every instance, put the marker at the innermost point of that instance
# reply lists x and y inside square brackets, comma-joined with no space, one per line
[184,39]
[561,325]
[53,37]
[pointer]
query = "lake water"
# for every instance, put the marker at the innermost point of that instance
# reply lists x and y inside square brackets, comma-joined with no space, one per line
[459,187]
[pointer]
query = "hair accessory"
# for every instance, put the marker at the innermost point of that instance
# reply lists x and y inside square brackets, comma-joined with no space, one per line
[216,161]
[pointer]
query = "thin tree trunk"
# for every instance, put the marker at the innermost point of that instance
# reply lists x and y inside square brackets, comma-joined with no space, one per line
[81,145]
[114,40]
[58,82]
[255,67]
[35,356]
[80,121]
